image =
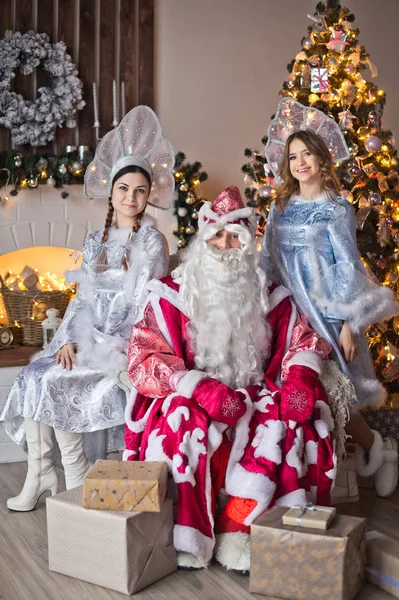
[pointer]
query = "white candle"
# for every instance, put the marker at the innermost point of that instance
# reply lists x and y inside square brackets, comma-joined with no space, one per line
[95,106]
[114,105]
[123,99]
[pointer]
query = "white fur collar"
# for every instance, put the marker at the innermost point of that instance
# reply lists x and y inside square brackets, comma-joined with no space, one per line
[323,197]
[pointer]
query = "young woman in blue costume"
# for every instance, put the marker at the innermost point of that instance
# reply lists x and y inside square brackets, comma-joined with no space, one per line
[310,247]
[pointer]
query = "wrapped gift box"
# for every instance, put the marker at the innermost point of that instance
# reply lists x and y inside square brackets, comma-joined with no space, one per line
[311,516]
[122,551]
[307,564]
[126,485]
[383,562]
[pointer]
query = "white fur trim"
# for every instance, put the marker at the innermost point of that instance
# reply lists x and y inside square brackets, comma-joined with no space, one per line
[127,454]
[295,453]
[321,428]
[188,539]
[175,417]
[325,414]
[376,456]
[372,390]
[277,296]
[267,440]
[135,426]
[306,358]
[189,382]
[206,214]
[292,498]
[163,290]
[233,550]
[311,449]
[185,559]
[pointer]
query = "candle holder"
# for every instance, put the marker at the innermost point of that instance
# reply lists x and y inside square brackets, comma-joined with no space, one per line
[82,149]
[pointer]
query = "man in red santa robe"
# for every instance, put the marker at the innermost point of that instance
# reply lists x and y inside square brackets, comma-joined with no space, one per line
[226,391]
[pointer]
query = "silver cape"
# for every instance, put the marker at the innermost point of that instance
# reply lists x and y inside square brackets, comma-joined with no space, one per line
[109,301]
[311,249]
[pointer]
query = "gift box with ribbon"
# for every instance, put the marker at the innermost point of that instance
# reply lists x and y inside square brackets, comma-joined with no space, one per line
[382,567]
[120,550]
[309,515]
[296,563]
[126,485]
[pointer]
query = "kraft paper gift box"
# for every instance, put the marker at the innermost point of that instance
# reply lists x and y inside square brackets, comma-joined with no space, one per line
[383,562]
[122,551]
[298,563]
[126,485]
[310,515]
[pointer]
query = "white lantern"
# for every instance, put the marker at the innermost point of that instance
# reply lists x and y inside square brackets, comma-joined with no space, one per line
[50,325]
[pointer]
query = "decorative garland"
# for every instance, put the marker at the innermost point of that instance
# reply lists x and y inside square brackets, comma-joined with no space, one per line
[35,122]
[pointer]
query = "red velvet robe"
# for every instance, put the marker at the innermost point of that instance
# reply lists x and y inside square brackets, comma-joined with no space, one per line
[269,444]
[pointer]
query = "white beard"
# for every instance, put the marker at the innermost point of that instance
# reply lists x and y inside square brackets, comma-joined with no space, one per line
[226,300]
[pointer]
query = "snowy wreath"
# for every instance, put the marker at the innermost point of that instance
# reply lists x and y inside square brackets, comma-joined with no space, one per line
[35,122]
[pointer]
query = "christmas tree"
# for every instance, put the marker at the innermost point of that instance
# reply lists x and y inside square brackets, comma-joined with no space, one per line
[332,72]
[187,200]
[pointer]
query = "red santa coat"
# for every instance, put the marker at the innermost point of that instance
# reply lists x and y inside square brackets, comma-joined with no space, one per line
[269,443]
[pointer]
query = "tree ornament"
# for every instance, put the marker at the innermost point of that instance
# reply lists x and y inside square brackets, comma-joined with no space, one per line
[62,169]
[307,43]
[191,199]
[319,79]
[373,143]
[33,182]
[391,277]
[337,41]
[181,211]
[181,242]
[18,160]
[353,149]
[363,132]
[51,181]
[265,191]
[35,123]
[332,65]
[347,195]
[373,117]
[42,163]
[313,98]
[381,263]
[194,214]
[190,230]
[355,170]
[184,186]
[374,198]
[76,166]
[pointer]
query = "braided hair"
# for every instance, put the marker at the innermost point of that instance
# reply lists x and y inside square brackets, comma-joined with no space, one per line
[102,260]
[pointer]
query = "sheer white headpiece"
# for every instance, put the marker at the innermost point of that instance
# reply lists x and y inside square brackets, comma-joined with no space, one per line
[292,116]
[137,141]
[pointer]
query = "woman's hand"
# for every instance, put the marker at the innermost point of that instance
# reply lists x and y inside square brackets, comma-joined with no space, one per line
[66,356]
[347,343]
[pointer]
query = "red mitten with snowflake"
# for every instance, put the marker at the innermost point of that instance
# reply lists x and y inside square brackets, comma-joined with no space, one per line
[299,394]
[219,401]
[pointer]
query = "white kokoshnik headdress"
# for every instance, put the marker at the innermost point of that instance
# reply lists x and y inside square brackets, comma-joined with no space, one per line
[292,116]
[137,141]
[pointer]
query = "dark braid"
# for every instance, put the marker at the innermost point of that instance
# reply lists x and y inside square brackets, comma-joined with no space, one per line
[135,229]
[102,256]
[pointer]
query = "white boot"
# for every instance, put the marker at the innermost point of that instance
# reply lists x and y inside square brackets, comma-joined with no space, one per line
[41,475]
[75,462]
[233,551]
[382,463]
[345,487]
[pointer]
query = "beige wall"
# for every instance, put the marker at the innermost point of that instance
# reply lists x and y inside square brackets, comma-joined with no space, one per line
[219,65]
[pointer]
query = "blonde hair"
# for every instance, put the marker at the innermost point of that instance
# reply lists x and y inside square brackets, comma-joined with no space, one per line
[317,146]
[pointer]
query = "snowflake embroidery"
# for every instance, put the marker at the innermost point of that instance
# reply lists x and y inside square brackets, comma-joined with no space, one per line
[297,400]
[230,406]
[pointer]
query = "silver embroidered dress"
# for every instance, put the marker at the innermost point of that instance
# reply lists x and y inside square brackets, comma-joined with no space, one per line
[98,320]
[311,248]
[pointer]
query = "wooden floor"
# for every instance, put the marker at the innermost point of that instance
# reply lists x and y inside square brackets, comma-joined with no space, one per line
[23,556]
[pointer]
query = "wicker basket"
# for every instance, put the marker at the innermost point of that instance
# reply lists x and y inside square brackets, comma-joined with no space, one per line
[29,307]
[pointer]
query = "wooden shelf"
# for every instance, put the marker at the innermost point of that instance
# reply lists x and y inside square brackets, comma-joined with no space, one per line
[17,357]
